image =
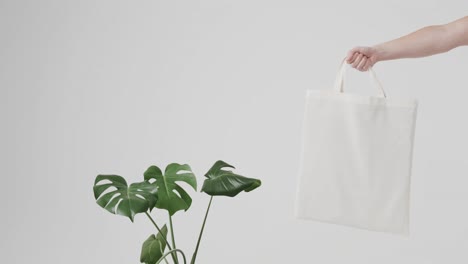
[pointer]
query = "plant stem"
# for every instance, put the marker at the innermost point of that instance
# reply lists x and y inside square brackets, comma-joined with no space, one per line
[159,230]
[194,256]
[173,239]
[172,252]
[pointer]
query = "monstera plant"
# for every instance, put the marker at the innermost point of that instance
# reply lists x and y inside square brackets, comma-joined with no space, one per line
[162,191]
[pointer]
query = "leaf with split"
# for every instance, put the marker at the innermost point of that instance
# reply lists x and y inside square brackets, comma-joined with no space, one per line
[171,196]
[223,182]
[153,248]
[113,194]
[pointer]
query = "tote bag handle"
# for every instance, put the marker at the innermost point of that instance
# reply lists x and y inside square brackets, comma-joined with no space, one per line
[339,81]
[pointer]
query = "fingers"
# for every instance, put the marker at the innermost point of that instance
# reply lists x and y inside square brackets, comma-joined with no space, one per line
[352,55]
[358,59]
[367,65]
[362,63]
[361,58]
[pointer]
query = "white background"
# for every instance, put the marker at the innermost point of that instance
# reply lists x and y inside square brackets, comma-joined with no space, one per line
[91,87]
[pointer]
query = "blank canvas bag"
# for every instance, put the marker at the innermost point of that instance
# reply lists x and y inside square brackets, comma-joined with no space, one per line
[356,158]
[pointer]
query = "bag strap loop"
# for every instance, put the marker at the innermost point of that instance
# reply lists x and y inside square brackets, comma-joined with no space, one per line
[339,81]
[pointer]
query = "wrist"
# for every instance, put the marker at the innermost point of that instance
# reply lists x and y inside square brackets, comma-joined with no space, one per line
[379,53]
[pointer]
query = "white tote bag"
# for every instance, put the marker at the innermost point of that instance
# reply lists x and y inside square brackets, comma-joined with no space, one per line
[356,158]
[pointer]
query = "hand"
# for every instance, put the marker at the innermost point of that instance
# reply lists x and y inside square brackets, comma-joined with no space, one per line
[362,58]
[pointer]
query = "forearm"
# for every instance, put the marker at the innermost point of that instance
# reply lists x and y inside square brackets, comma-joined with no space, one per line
[425,42]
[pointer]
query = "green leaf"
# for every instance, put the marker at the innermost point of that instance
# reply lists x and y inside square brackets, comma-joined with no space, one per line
[117,197]
[153,248]
[222,182]
[171,196]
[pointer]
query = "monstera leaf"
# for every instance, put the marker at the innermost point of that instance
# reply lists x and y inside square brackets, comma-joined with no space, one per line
[226,183]
[153,248]
[122,199]
[172,196]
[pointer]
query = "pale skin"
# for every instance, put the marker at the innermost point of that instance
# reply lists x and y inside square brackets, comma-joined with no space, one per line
[424,42]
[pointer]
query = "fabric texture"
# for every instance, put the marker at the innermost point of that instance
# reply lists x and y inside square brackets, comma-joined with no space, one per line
[356,158]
